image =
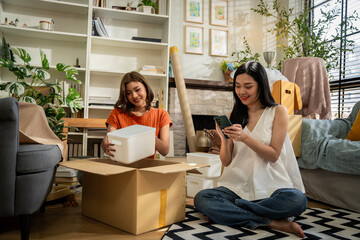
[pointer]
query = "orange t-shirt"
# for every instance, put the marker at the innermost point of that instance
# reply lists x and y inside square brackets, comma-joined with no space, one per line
[155,117]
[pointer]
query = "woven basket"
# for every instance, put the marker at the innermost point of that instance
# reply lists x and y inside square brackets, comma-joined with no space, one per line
[227,76]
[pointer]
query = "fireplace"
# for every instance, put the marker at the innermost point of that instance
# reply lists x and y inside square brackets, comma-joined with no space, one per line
[207,99]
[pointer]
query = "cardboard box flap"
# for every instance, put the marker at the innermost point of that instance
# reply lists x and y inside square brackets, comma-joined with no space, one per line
[98,166]
[173,168]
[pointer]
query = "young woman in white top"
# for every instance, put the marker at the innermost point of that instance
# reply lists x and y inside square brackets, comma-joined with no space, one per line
[261,184]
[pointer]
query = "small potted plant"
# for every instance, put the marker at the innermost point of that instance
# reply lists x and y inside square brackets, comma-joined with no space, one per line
[241,56]
[147,6]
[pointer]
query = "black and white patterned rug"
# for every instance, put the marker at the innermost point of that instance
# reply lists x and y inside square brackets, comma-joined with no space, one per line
[317,223]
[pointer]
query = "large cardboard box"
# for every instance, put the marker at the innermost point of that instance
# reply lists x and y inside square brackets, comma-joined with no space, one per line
[287,94]
[136,198]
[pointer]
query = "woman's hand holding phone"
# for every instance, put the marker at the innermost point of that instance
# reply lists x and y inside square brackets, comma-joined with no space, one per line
[222,122]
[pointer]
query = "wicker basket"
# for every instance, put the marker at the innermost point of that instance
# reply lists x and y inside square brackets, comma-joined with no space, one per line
[227,76]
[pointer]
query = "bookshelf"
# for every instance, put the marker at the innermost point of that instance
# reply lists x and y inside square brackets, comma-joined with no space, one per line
[103,60]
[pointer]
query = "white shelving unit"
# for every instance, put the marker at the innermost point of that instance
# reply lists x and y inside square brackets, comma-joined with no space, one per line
[103,60]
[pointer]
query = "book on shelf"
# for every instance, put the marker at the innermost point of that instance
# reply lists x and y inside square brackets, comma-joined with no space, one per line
[101,100]
[96,150]
[152,70]
[71,184]
[65,86]
[74,150]
[161,7]
[65,172]
[101,3]
[146,39]
[66,179]
[147,67]
[100,27]
[158,99]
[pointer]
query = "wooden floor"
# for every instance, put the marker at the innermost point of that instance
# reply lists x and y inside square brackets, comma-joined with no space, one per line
[59,222]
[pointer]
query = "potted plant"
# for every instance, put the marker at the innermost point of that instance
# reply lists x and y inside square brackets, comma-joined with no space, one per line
[241,56]
[147,6]
[37,85]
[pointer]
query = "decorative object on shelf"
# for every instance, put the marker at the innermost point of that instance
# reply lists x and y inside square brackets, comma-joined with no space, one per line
[52,25]
[41,90]
[194,39]
[45,25]
[269,58]
[147,6]
[77,63]
[146,39]
[219,42]
[219,12]
[124,8]
[194,11]
[6,21]
[16,22]
[12,24]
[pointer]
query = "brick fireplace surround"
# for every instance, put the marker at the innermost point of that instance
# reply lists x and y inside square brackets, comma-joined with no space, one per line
[205,98]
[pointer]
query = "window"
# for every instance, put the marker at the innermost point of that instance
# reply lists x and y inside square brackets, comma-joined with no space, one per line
[345,87]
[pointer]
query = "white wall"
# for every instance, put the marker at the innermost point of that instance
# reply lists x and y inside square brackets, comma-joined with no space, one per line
[242,22]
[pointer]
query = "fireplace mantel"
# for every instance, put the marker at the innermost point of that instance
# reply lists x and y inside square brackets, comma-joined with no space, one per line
[204,84]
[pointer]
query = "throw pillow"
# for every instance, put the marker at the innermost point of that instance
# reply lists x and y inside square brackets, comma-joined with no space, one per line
[354,134]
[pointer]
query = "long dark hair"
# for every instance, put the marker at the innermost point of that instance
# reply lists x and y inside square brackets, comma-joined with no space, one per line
[239,113]
[123,103]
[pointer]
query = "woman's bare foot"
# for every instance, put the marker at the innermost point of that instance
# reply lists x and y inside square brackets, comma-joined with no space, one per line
[286,226]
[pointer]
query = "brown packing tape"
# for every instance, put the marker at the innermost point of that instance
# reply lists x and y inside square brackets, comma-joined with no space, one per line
[163,202]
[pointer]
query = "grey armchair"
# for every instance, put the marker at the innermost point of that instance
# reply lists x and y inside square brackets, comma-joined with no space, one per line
[26,171]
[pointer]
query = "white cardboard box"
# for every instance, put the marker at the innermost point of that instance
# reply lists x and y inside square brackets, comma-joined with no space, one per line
[213,160]
[136,198]
[195,183]
[132,143]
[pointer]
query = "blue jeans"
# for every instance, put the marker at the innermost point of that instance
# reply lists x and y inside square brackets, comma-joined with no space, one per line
[223,206]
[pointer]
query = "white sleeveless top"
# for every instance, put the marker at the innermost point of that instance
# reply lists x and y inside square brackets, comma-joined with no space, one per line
[252,177]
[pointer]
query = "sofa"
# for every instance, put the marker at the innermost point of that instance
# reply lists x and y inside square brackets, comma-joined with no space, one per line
[330,163]
[26,170]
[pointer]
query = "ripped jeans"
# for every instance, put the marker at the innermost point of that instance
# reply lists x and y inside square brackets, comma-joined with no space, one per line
[223,206]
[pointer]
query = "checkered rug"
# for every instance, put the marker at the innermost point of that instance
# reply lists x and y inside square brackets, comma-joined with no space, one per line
[317,224]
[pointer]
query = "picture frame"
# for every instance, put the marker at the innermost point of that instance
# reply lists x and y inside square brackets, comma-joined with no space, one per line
[219,39]
[219,13]
[194,11]
[194,39]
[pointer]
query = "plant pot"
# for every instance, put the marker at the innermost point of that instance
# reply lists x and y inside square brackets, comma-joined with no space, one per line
[146,9]
[227,76]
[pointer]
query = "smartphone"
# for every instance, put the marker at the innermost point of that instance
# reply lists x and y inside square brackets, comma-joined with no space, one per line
[223,121]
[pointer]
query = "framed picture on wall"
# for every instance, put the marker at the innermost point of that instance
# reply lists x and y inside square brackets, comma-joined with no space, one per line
[219,12]
[219,42]
[194,11]
[194,39]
